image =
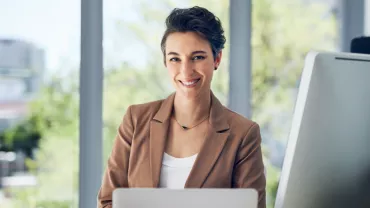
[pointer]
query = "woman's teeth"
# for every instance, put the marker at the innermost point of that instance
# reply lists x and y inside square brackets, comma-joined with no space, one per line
[190,83]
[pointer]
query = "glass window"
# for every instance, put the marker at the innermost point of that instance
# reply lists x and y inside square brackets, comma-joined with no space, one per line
[39,65]
[283,32]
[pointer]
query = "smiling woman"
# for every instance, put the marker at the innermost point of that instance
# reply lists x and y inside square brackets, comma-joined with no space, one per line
[189,139]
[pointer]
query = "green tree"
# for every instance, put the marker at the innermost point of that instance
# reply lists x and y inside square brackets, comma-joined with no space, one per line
[56,106]
[55,163]
[23,137]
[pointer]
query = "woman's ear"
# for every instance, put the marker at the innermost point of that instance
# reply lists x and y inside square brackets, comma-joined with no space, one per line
[218,59]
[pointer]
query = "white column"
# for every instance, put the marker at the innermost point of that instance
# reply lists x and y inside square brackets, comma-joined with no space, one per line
[240,57]
[367,17]
[91,91]
[352,21]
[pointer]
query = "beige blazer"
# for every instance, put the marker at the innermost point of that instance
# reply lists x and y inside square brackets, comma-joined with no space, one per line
[231,155]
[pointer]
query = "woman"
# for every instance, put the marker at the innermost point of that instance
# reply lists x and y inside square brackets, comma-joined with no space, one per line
[188,140]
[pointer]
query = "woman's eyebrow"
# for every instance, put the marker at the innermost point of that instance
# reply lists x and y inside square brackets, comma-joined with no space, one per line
[192,53]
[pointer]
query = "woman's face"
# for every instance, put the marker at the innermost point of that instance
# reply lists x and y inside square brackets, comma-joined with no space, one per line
[190,63]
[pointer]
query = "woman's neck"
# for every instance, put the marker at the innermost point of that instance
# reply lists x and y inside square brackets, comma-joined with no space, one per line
[191,112]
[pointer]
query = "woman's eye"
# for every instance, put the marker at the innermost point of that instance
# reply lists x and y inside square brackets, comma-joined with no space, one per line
[198,57]
[174,59]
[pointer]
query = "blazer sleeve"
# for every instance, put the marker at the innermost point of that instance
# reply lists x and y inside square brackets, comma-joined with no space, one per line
[115,175]
[249,167]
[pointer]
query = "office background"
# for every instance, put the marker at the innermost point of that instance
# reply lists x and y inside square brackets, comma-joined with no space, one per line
[69,69]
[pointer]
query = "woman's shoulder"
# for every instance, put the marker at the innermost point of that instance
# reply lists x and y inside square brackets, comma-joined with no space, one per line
[147,105]
[246,129]
[147,108]
[238,121]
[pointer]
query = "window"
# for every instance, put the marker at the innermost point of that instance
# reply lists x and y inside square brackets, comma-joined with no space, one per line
[39,63]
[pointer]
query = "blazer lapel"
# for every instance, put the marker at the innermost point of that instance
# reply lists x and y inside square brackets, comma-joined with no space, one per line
[158,136]
[207,157]
[212,147]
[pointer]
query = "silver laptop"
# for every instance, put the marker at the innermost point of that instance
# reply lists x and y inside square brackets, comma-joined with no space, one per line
[184,198]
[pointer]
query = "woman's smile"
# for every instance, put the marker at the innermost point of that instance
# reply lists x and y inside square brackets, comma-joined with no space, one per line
[190,83]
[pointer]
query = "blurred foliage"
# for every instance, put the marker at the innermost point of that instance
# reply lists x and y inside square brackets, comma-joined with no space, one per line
[56,106]
[272,183]
[55,163]
[24,136]
[282,34]
[26,199]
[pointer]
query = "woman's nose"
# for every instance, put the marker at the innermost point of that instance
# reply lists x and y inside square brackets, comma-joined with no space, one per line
[187,68]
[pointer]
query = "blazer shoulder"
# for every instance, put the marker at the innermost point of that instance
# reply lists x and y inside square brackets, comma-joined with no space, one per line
[239,122]
[248,131]
[145,110]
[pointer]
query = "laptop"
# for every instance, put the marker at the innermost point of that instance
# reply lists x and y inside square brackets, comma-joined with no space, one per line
[184,198]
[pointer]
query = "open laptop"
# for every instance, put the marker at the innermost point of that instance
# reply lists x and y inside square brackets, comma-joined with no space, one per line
[184,198]
[327,162]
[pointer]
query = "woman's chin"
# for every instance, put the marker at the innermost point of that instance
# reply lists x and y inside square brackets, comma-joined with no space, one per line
[190,94]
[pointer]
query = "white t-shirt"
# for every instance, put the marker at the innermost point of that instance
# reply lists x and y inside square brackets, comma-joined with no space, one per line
[175,171]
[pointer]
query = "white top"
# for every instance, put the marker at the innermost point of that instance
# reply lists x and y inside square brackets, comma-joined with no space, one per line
[175,171]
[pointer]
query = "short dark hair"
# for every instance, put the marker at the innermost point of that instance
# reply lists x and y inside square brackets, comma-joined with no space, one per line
[196,19]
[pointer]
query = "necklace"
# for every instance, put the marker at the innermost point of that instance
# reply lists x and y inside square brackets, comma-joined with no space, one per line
[186,127]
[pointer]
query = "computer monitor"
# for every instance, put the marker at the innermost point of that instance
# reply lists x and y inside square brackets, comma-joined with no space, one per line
[327,162]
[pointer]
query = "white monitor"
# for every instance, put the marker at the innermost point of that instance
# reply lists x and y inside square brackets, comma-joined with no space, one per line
[184,198]
[327,162]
